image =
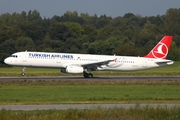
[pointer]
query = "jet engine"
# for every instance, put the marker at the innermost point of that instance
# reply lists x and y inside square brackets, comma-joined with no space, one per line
[72,69]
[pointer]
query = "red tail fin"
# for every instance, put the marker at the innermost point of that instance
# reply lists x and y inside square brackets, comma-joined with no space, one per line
[161,49]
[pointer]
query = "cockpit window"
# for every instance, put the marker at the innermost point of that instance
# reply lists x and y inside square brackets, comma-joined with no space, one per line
[14,56]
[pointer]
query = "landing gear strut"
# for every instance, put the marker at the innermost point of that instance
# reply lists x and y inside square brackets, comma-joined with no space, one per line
[87,75]
[23,71]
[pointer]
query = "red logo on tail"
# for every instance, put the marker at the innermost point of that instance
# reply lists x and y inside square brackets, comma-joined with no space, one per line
[160,51]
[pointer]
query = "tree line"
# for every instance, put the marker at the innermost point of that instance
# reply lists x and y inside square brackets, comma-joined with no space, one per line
[72,32]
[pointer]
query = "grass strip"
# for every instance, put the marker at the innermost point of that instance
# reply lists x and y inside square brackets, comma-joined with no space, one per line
[135,113]
[70,92]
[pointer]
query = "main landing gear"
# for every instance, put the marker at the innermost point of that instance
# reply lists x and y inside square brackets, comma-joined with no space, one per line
[87,75]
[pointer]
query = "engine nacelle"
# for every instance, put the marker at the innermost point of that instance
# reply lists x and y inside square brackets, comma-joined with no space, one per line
[72,69]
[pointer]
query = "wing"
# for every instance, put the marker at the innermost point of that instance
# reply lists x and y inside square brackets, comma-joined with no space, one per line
[97,63]
[94,65]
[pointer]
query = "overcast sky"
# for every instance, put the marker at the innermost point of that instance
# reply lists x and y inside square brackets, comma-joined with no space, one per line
[113,8]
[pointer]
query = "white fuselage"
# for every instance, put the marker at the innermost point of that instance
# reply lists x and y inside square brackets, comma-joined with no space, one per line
[62,60]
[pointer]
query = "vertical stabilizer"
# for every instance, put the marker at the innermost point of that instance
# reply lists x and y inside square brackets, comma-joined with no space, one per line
[161,49]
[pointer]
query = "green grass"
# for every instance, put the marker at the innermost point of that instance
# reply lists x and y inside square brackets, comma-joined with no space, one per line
[136,113]
[60,92]
[16,71]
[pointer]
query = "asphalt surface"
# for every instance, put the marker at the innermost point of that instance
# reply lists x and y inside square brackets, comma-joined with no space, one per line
[83,106]
[95,78]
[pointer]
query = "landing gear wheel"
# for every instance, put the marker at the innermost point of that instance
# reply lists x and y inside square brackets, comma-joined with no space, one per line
[88,75]
[22,73]
[85,75]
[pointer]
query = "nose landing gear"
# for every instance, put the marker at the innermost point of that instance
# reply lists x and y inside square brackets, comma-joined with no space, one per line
[23,71]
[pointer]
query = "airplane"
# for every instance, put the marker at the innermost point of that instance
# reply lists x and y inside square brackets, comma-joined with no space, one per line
[85,63]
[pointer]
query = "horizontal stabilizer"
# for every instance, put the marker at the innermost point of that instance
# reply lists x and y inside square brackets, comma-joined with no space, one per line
[166,62]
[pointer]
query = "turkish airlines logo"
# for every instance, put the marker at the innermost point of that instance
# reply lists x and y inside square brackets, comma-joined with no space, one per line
[160,51]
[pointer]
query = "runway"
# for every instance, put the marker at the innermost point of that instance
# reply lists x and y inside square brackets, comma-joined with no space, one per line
[47,78]
[82,106]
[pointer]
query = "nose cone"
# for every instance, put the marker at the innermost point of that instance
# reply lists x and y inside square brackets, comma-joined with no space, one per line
[7,61]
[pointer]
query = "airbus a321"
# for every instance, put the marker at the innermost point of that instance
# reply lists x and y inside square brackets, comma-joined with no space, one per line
[85,63]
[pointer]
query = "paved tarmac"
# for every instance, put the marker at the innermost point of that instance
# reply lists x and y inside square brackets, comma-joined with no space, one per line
[83,106]
[47,78]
